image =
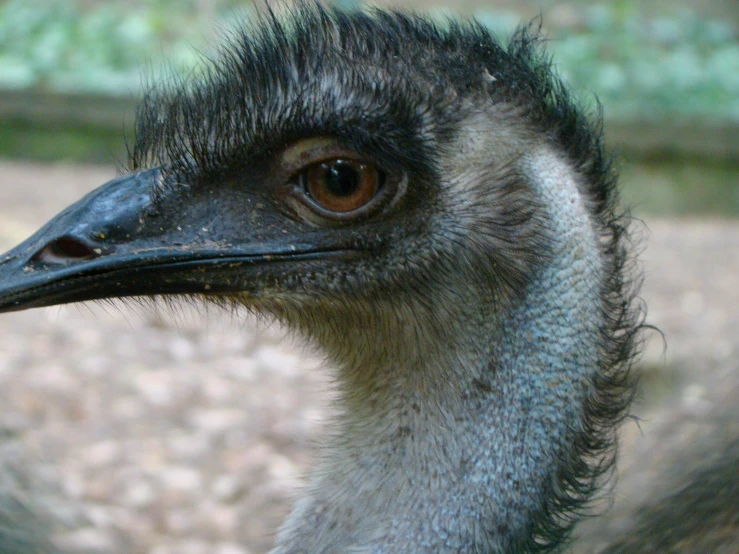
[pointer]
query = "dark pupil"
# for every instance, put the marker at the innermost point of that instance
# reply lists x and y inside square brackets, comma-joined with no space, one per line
[341,179]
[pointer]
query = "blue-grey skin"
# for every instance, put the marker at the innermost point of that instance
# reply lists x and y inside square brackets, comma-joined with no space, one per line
[481,317]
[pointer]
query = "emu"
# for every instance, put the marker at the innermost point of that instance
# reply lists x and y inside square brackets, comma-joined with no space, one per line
[435,212]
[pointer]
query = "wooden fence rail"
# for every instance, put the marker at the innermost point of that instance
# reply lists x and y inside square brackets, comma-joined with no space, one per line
[716,141]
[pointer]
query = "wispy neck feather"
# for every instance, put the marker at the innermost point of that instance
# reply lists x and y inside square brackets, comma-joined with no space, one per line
[472,441]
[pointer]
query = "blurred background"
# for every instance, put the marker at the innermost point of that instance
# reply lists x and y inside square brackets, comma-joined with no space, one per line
[164,433]
[667,74]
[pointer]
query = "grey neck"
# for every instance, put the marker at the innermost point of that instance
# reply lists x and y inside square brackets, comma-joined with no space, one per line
[454,449]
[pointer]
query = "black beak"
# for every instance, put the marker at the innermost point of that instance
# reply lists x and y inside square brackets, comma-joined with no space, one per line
[115,242]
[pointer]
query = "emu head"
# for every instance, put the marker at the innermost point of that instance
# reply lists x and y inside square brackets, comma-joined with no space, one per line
[332,161]
[427,205]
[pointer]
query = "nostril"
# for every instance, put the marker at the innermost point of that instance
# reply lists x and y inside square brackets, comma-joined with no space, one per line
[64,250]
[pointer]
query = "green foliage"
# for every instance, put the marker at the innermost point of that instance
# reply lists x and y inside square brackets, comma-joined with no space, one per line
[639,68]
[59,45]
[653,68]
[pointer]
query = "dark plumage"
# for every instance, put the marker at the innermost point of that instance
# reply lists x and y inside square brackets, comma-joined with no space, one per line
[480,306]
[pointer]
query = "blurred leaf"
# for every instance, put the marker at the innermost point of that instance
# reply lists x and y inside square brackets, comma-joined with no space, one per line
[682,64]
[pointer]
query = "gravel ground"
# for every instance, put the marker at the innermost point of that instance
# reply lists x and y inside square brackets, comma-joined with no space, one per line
[161,433]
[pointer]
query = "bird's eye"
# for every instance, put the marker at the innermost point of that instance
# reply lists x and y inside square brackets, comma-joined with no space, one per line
[341,185]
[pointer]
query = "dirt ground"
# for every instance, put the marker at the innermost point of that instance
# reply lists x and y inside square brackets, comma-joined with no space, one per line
[185,435]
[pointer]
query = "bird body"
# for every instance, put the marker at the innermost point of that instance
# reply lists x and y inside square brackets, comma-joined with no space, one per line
[436,214]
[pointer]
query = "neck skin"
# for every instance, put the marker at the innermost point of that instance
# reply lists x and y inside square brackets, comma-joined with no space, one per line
[454,448]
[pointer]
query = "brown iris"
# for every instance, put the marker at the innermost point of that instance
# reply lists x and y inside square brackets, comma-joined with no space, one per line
[341,185]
